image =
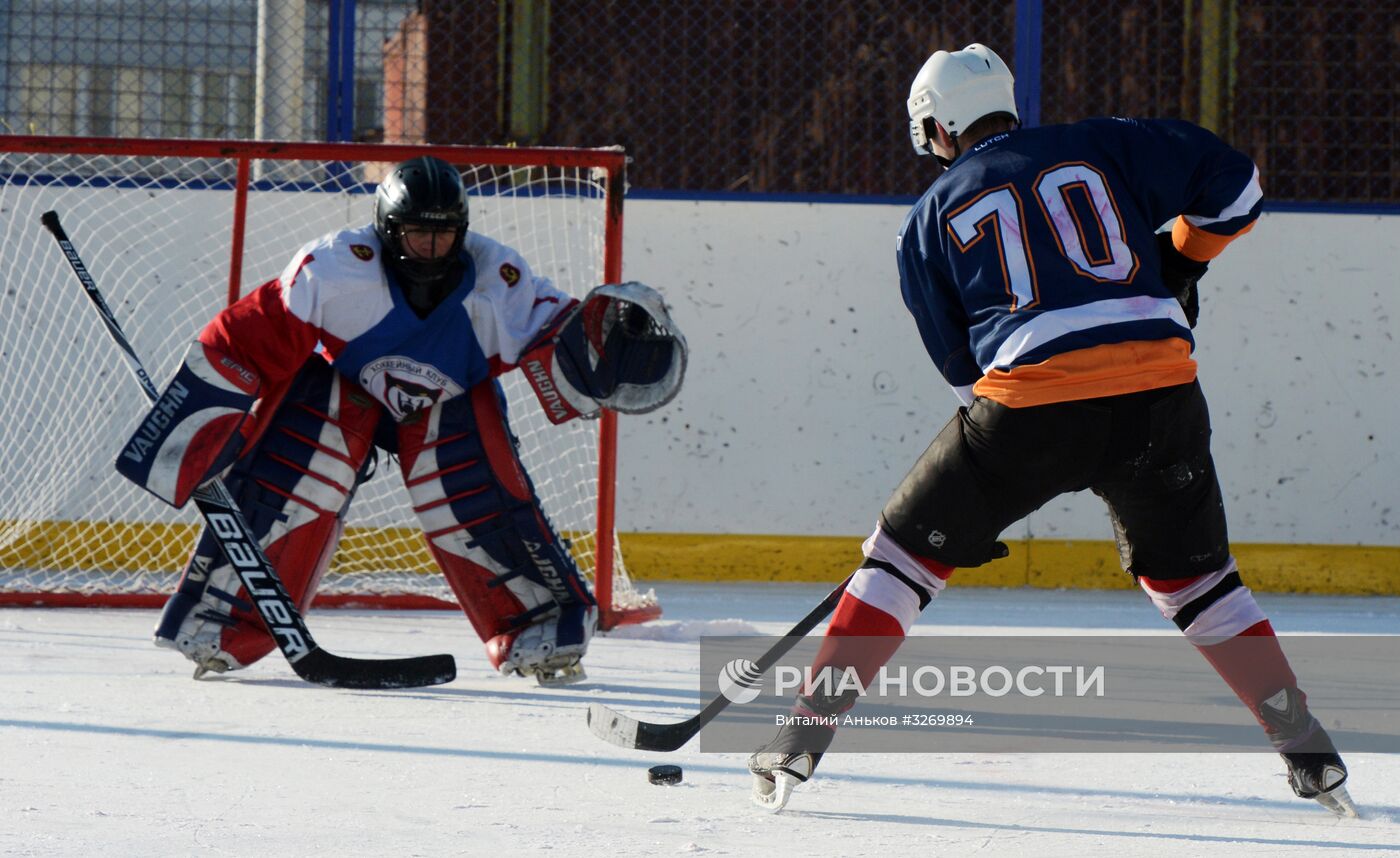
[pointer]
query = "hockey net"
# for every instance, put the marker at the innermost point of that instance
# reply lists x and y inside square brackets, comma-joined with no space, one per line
[174,230]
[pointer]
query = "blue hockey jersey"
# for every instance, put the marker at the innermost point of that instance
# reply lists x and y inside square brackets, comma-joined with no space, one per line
[1031,265]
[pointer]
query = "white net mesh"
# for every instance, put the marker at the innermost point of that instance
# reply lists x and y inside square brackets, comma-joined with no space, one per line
[156,234]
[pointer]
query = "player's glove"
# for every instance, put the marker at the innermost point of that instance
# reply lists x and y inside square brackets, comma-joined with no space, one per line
[998,552]
[1181,273]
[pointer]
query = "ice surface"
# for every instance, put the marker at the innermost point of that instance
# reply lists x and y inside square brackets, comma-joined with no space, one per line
[108,748]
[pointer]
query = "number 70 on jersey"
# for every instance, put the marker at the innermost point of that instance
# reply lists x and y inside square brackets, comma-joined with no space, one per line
[1084,220]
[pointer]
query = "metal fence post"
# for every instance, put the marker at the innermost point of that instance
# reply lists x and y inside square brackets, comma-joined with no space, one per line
[529,71]
[1029,33]
[340,72]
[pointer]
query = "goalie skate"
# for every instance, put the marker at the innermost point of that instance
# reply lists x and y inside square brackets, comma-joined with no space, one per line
[196,631]
[551,650]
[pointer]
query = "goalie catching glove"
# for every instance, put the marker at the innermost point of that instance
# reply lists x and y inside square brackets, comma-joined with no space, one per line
[618,349]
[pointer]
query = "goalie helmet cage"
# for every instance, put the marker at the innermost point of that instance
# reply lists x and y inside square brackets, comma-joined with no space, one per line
[175,229]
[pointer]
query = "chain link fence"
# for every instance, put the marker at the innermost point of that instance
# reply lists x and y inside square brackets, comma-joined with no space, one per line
[771,96]
[1310,88]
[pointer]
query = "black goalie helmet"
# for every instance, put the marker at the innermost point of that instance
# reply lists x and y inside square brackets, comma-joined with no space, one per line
[424,191]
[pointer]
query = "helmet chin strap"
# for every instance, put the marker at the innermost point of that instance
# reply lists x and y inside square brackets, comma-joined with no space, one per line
[947,162]
[424,292]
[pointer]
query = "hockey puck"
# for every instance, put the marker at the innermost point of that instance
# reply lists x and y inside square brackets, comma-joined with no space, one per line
[665,775]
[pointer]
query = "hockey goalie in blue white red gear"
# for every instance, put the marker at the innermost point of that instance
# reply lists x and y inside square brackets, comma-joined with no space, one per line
[392,335]
[1062,318]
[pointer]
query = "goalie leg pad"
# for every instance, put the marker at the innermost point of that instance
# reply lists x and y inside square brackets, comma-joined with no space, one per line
[511,572]
[293,489]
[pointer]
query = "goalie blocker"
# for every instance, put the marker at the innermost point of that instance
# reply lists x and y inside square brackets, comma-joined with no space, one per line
[192,433]
[619,349]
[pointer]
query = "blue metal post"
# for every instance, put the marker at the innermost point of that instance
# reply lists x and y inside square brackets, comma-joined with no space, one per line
[347,71]
[333,73]
[340,72]
[340,85]
[1029,34]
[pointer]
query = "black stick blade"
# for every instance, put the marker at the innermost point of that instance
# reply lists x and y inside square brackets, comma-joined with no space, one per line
[336,671]
[615,728]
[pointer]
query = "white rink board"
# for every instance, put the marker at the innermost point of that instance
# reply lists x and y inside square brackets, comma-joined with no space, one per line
[809,393]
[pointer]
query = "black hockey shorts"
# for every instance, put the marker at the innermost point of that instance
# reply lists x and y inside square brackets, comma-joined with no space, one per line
[1146,454]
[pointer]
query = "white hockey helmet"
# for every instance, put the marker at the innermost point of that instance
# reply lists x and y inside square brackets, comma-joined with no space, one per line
[957,89]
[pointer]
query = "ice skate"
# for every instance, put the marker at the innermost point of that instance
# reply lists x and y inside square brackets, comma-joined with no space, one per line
[792,756]
[551,650]
[776,774]
[554,673]
[194,628]
[1315,769]
[1321,777]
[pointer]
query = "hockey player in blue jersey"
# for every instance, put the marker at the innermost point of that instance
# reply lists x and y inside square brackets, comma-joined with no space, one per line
[1063,320]
[392,334]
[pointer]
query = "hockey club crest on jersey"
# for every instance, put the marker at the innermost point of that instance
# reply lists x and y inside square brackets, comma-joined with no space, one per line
[407,386]
[405,396]
[362,252]
[510,274]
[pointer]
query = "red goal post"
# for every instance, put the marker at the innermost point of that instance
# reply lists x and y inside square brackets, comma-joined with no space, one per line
[174,229]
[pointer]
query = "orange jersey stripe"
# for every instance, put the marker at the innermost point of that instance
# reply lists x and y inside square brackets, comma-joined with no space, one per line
[1091,373]
[1200,245]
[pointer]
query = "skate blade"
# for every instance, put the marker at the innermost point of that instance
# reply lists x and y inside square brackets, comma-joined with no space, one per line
[773,795]
[561,676]
[209,666]
[1338,800]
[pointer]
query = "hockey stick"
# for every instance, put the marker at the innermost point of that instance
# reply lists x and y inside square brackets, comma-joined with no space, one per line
[255,571]
[619,729]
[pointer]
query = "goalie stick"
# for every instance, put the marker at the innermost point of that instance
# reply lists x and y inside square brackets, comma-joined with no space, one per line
[225,521]
[612,726]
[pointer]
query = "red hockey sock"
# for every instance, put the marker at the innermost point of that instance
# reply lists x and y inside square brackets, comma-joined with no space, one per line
[860,637]
[1253,664]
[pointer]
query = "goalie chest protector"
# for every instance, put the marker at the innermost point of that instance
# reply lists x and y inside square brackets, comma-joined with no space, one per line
[339,287]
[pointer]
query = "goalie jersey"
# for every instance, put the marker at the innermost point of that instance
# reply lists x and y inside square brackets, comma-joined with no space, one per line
[1031,264]
[336,292]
